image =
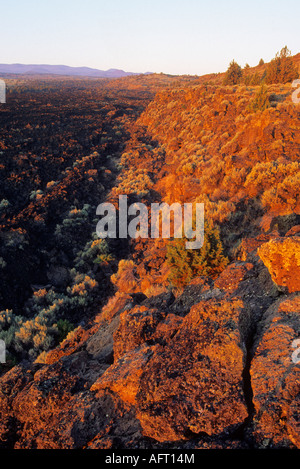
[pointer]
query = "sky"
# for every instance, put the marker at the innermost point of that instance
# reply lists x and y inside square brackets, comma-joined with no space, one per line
[192,37]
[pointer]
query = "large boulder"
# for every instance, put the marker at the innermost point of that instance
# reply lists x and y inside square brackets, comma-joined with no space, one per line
[282,258]
[193,385]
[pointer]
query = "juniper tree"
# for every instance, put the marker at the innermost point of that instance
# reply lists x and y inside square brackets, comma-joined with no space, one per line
[234,74]
[281,69]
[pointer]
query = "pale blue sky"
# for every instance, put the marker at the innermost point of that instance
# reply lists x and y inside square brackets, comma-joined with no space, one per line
[170,36]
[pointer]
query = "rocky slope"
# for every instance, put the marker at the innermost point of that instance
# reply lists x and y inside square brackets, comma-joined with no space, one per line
[211,368]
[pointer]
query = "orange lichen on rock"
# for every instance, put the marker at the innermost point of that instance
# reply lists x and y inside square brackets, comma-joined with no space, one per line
[72,343]
[124,375]
[183,390]
[231,277]
[282,258]
[275,376]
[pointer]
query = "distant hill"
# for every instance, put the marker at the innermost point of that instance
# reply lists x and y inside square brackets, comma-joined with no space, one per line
[62,70]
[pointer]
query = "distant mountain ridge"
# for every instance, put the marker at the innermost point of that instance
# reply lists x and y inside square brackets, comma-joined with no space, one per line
[42,69]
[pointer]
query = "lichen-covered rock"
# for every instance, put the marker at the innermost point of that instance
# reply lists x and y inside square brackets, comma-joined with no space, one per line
[275,376]
[137,326]
[282,258]
[123,376]
[194,384]
[231,277]
[52,409]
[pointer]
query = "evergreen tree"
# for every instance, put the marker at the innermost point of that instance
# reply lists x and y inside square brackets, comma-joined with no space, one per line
[281,69]
[234,74]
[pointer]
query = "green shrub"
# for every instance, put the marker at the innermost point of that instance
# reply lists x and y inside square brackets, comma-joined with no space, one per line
[64,327]
[4,205]
[187,264]
[95,251]
[73,229]
[261,100]
[9,324]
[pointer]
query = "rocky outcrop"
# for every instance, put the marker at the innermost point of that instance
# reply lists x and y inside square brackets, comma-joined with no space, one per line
[211,368]
[282,258]
[275,375]
[193,384]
